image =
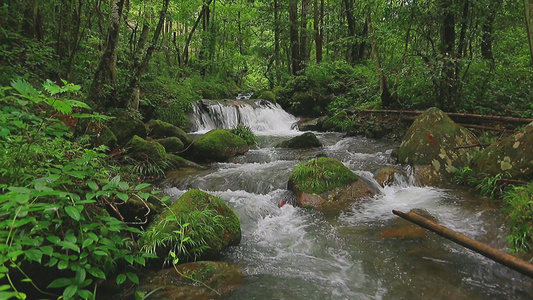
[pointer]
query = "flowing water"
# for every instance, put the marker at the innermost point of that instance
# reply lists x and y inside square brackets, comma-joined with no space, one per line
[292,253]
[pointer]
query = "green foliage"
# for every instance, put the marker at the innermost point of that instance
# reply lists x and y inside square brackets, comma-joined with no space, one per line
[268,95]
[490,186]
[52,194]
[189,241]
[246,134]
[464,176]
[321,174]
[519,209]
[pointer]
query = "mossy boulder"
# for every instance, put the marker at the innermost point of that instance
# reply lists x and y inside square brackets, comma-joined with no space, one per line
[161,129]
[304,141]
[219,145]
[126,125]
[211,227]
[306,124]
[386,175]
[512,156]
[179,162]
[108,138]
[430,145]
[340,122]
[268,95]
[326,184]
[146,150]
[171,144]
[172,284]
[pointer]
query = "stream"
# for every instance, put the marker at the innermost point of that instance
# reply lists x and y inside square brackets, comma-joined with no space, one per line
[293,253]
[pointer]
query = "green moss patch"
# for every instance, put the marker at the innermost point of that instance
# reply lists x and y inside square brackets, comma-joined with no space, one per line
[143,149]
[320,175]
[219,145]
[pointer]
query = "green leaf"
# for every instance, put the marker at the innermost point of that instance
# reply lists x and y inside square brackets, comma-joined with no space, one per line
[62,264]
[133,277]
[100,253]
[140,260]
[75,103]
[123,186]
[92,185]
[60,282]
[69,245]
[96,272]
[129,259]
[34,254]
[121,278]
[115,181]
[70,291]
[142,186]
[87,242]
[123,196]
[85,294]
[73,212]
[26,90]
[47,250]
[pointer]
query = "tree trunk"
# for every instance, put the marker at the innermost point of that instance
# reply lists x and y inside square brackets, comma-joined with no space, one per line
[351,56]
[131,97]
[318,18]
[295,43]
[386,99]
[303,33]
[447,44]
[462,35]
[189,38]
[528,7]
[106,72]
[503,258]
[277,40]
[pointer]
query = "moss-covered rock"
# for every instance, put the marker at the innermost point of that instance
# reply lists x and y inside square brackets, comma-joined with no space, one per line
[145,150]
[207,221]
[339,122]
[268,95]
[179,162]
[430,144]
[326,184]
[108,138]
[306,140]
[385,175]
[512,156]
[126,125]
[174,284]
[306,124]
[171,144]
[161,129]
[219,145]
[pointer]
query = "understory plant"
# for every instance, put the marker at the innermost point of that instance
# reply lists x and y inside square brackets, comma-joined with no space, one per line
[246,133]
[519,208]
[57,238]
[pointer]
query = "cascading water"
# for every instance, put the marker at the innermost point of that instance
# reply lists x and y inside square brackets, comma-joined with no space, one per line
[262,116]
[292,253]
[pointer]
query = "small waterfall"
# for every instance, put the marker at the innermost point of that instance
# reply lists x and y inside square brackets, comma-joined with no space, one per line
[262,116]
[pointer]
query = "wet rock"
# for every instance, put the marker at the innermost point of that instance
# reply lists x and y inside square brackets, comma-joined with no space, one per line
[125,126]
[339,122]
[306,124]
[429,144]
[174,284]
[180,162]
[142,149]
[161,129]
[219,145]
[171,144]
[385,176]
[212,227]
[306,140]
[512,156]
[326,184]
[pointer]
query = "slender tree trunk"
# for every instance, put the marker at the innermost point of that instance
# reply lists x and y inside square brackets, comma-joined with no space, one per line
[131,98]
[362,46]
[277,40]
[318,16]
[386,99]
[462,35]
[295,44]
[528,7]
[106,72]
[352,46]
[185,56]
[447,45]
[303,33]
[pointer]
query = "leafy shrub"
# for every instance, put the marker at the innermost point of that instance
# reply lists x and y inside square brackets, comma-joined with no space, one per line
[246,134]
[519,208]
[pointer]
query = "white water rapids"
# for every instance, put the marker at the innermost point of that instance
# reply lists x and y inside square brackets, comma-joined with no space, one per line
[292,253]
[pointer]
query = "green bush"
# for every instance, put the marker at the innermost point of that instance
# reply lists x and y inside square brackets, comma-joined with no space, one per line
[519,208]
[246,134]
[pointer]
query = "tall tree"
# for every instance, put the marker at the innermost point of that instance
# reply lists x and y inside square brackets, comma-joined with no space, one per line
[447,88]
[385,96]
[106,72]
[318,27]
[294,41]
[528,7]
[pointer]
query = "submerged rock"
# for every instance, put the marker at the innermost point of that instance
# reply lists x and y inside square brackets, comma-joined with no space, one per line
[219,145]
[429,144]
[326,184]
[306,140]
[161,129]
[211,227]
[385,175]
[512,155]
[209,276]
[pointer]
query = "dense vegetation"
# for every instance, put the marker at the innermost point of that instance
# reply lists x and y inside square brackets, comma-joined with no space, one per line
[58,183]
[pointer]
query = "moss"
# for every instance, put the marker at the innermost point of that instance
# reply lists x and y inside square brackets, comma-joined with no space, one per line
[320,175]
[519,209]
[140,148]
[108,138]
[125,126]
[160,129]
[171,144]
[219,145]
[268,95]
[306,140]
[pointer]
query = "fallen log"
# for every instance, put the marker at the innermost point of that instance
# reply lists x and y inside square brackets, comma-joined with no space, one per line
[487,128]
[452,115]
[503,258]
[471,146]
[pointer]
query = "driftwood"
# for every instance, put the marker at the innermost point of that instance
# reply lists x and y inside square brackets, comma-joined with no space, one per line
[512,181]
[487,128]
[483,249]
[452,115]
